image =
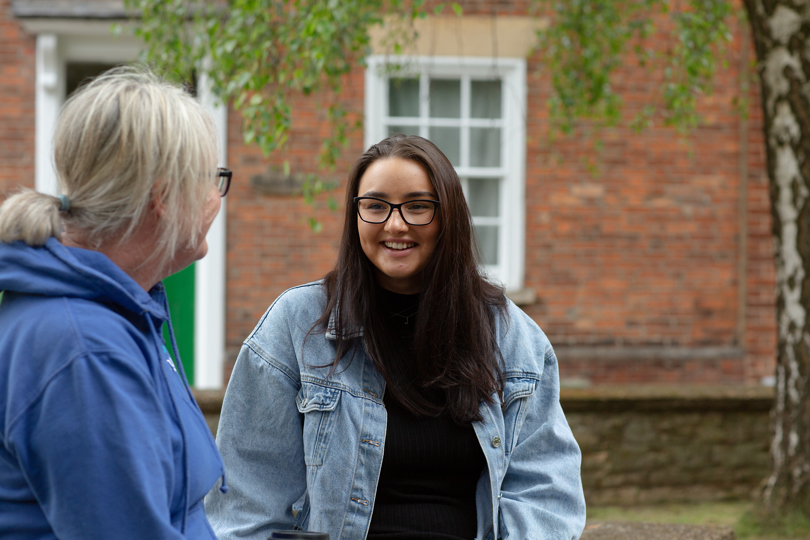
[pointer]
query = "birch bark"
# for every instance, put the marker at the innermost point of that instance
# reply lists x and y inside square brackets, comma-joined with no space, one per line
[781,33]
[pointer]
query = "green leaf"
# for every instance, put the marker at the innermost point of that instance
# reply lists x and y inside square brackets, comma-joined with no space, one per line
[315,225]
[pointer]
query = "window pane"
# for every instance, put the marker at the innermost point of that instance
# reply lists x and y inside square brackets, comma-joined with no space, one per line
[485,100]
[487,237]
[448,139]
[403,97]
[485,147]
[445,98]
[404,130]
[78,72]
[483,197]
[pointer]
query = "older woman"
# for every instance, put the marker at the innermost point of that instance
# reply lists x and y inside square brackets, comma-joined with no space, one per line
[100,436]
[403,397]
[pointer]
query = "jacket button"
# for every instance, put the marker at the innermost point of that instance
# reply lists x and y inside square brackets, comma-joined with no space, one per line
[496,442]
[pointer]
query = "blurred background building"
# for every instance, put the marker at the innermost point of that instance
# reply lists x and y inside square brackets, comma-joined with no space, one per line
[646,258]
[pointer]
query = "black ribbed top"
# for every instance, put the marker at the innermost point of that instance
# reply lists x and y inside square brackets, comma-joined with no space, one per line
[430,466]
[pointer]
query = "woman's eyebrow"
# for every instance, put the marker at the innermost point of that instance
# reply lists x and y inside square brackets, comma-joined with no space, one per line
[409,195]
[378,194]
[417,194]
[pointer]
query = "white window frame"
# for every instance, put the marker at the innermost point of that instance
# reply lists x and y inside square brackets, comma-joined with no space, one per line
[512,71]
[60,41]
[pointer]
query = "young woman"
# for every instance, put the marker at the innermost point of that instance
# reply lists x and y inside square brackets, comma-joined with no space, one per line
[402,397]
[100,436]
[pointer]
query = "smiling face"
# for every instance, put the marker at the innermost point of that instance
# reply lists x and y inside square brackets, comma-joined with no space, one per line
[398,251]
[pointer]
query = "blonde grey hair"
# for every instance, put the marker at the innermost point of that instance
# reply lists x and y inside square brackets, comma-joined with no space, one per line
[125,143]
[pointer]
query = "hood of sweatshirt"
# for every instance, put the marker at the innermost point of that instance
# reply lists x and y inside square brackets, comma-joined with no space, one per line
[56,270]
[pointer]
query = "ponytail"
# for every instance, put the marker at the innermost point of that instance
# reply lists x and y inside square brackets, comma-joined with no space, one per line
[30,216]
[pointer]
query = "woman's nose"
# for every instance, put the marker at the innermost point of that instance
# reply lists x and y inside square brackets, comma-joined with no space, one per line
[395,222]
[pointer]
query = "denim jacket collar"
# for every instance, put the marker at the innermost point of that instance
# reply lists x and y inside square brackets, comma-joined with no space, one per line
[331,331]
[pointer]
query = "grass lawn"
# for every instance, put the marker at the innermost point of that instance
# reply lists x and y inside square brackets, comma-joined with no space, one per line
[718,513]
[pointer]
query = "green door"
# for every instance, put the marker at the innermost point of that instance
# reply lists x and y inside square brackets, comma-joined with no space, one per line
[180,290]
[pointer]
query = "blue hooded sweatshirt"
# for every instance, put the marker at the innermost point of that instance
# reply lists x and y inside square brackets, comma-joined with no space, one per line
[100,436]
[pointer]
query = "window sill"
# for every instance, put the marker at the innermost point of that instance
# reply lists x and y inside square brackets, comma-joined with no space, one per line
[524,296]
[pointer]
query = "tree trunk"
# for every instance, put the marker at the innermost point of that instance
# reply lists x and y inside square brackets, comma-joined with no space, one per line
[781,32]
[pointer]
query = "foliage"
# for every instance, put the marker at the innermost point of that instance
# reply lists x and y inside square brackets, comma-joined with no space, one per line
[260,54]
[587,41]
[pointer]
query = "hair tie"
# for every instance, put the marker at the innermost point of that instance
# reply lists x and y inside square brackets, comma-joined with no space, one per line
[64,203]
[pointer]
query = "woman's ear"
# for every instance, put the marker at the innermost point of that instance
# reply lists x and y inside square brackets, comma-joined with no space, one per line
[158,207]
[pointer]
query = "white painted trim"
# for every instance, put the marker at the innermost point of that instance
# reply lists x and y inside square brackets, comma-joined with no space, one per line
[375,101]
[75,27]
[209,273]
[512,71]
[50,83]
[86,48]
[79,41]
[514,155]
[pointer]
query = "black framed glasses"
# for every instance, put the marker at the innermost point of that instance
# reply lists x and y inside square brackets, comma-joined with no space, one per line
[377,211]
[223,180]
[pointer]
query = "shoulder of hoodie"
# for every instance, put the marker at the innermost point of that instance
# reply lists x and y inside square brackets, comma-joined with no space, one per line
[42,337]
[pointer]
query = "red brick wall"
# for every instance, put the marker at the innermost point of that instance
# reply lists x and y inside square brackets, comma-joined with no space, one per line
[643,259]
[646,253]
[271,245]
[17,79]
[760,315]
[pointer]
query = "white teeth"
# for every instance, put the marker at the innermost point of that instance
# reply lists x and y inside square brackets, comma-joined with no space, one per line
[399,245]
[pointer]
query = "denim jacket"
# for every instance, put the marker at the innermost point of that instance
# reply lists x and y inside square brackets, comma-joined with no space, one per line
[303,450]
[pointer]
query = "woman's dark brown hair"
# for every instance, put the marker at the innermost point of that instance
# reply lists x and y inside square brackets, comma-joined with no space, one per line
[456,352]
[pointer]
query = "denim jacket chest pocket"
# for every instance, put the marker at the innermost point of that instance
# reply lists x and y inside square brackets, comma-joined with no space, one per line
[317,405]
[517,394]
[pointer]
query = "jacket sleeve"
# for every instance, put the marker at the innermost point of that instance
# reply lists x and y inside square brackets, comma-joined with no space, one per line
[96,449]
[541,493]
[260,439]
